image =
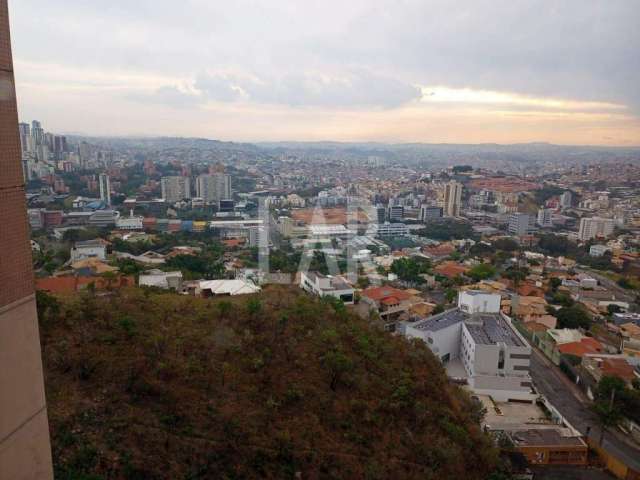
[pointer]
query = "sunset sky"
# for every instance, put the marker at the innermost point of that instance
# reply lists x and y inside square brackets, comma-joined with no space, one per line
[359,70]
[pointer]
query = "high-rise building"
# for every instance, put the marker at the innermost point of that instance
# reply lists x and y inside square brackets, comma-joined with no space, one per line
[430,212]
[566,199]
[452,198]
[396,213]
[25,137]
[175,189]
[37,133]
[105,188]
[545,218]
[213,188]
[521,224]
[25,451]
[595,227]
[380,213]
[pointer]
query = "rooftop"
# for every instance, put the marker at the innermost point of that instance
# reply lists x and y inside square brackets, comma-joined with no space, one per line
[485,328]
[491,329]
[546,437]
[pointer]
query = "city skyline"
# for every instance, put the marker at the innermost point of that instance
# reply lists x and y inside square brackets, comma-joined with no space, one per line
[367,71]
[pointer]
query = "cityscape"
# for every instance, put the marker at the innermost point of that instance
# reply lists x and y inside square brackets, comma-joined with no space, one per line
[187,307]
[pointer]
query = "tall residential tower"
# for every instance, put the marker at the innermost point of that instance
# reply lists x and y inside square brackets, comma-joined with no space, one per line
[25,452]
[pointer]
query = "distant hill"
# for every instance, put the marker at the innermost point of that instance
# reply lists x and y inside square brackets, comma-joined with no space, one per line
[147,385]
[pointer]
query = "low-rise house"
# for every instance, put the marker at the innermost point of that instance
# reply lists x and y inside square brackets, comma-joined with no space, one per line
[451,269]
[438,252]
[564,341]
[184,250]
[488,286]
[631,339]
[528,307]
[390,303]
[550,446]
[598,366]
[584,346]
[327,285]
[623,318]
[148,258]
[89,249]
[160,279]
[479,345]
[91,266]
[216,288]
[530,290]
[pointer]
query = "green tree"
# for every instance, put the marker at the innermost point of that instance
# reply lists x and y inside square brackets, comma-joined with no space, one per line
[573,317]
[481,271]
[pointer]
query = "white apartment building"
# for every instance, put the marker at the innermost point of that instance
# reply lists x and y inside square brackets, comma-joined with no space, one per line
[429,212]
[452,199]
[213,188]
[521,224]
[105,188]
[387,230]
[326,285]
[595,227]
[478,343]
[545,218]
[175,188]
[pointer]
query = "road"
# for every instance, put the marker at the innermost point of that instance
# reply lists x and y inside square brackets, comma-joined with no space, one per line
[574,406]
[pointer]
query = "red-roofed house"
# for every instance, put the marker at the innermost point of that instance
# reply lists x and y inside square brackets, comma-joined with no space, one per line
[608,365]
[451,270]
[389,302]
[579,349]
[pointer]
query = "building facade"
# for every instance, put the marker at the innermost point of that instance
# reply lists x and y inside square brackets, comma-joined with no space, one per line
[175,189]
[105,189]
[452,199]
[25,451]
[521,224]
[430,212]
[545,218]
[595,227]
[214,188]
[481,345]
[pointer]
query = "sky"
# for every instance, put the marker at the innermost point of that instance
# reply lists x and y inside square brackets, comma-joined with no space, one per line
[451,71]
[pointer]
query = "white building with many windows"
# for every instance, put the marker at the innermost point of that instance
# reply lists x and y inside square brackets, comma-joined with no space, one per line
[595,227]
[478,344]
[327,285]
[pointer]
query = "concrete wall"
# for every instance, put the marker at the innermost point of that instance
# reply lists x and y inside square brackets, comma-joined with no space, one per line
[442,342]
[25,453]
[473,302]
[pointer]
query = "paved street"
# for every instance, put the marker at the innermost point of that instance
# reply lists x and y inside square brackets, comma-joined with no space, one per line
[573,405]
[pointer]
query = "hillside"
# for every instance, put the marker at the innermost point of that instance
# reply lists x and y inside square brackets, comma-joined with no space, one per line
[145,385]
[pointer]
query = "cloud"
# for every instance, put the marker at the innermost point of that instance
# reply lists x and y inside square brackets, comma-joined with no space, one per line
[361,54]
[220,88]
[352,89]
[171,96]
